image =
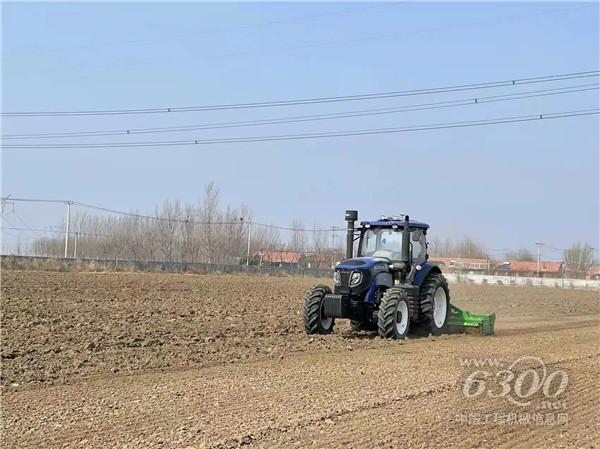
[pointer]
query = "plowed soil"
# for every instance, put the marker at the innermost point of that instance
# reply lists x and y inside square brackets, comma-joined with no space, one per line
[200,361]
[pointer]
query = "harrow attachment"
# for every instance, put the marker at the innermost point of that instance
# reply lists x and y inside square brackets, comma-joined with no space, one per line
[461,321]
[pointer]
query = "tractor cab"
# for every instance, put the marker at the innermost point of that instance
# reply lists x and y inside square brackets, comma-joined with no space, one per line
[383,238]
[394,245]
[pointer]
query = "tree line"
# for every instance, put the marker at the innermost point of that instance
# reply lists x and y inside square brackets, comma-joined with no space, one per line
[205,232]
[208,232]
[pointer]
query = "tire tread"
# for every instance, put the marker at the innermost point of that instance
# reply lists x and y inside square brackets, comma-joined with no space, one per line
[312,309]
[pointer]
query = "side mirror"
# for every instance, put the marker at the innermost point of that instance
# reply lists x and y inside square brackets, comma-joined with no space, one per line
[416,236]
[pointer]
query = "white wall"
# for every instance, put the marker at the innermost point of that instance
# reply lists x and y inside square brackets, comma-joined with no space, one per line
[521,281]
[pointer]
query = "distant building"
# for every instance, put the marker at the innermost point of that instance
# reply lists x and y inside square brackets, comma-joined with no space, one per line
[530,269]
[278,258]
[452,264]
[322,259]
[491,266]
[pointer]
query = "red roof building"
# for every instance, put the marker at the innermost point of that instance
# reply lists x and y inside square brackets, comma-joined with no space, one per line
[278,257]
[491,266]
[526,268]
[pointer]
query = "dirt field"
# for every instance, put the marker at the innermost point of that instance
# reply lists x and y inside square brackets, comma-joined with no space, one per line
[198,361]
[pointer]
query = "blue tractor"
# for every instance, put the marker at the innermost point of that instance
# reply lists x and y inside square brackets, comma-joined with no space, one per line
[390,286]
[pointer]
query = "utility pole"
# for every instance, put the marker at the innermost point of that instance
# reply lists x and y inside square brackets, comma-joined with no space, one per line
[539,247]
[75,249]
[248,251]
[4,203]
[67,229]
[239,240]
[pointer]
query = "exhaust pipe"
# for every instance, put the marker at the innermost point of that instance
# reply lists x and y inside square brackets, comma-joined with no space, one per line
[405,255]
[351,217]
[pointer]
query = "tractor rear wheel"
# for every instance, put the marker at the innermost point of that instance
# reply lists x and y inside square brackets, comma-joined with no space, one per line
[314,320]
[393,318]
[435,303]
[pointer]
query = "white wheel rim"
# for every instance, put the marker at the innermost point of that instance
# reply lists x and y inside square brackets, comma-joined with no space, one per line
[440,305]
[325,321]
[401,317]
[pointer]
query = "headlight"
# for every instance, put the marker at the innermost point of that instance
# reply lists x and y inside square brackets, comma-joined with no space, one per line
[355,278]
[337,278]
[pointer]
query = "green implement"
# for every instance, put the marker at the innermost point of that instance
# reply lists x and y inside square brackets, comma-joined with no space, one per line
[460,320]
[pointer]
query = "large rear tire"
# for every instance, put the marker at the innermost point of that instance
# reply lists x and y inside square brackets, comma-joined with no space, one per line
[393,318]
[314,320]
[435,304]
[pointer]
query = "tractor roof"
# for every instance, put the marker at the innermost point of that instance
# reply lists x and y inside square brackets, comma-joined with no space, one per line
[388,222]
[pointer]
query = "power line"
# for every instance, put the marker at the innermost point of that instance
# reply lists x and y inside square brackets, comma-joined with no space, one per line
[194,222]
[6,220]
[17,237]
[320,135]
[50,231]
[153,217]
[316,117]
[165,219]
[554,248]
[314,100]
[20,220]
[34,200]
[14,236]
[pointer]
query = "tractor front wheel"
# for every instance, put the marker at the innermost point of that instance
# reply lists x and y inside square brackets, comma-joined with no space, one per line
[393,318]
[315,322]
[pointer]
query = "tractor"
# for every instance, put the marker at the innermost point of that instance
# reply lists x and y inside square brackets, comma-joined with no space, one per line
[390,286]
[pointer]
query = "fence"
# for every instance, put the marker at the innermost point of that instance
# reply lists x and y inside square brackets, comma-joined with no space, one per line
[62,264]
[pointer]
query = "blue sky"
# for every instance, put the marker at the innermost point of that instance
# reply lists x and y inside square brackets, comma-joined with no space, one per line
[506,185]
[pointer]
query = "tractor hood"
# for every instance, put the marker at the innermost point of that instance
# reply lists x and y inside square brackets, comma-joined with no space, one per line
[361,263]
[371,268]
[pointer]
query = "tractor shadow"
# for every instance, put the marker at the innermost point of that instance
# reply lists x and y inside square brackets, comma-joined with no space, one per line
[373,335]
[365,335]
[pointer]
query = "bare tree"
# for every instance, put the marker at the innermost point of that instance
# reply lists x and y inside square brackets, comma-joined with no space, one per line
[209,215]
[441,247]
[465,248]
[167,227]
[579,257]
[266,238]
[319,247]
[298,238]
[190,247]
[202,232]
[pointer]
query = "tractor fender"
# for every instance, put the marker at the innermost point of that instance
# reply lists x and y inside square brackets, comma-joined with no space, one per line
[381,279]
[422,274]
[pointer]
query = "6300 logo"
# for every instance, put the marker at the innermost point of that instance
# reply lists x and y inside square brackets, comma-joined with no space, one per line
[520,382]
